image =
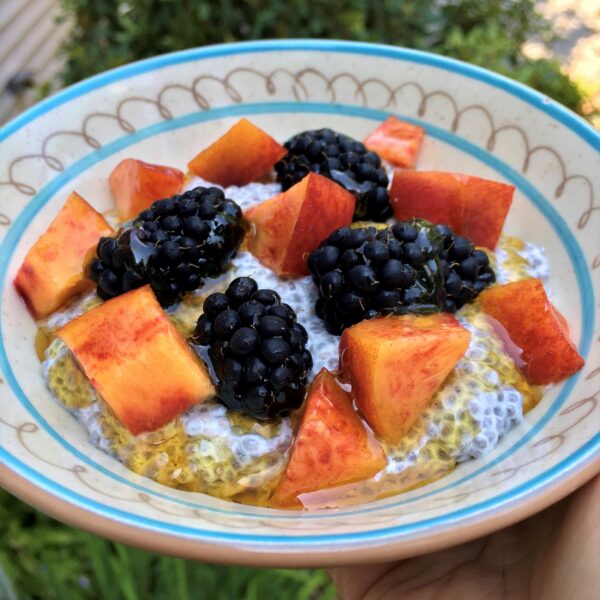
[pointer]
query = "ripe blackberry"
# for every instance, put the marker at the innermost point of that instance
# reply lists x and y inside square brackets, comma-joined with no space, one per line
[174,246]
[368,271]
[257,350]
[345,161]
[467,271]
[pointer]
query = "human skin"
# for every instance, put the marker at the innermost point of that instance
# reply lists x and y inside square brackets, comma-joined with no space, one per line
[554,555]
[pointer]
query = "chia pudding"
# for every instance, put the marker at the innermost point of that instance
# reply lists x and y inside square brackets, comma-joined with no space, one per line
[212,450]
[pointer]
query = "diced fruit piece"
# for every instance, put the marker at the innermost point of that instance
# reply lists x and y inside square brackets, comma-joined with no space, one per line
[538,336]
[395,364]
[430,195]
[396,141]
[135,185]
[332,446]
[471,206]
[137,361]
[485,207]
[54,269]
[292,224]
[240,156]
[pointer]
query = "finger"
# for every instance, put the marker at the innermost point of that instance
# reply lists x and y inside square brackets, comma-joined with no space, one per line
[353,583]
[413,578]
[571,566]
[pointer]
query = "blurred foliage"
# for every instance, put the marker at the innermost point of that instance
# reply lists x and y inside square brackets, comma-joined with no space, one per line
[109,33]
[46,560]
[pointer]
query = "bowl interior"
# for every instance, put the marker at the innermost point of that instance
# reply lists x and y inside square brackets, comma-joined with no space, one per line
[166,109]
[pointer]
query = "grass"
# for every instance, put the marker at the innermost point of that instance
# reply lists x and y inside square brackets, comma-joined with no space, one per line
[46,560]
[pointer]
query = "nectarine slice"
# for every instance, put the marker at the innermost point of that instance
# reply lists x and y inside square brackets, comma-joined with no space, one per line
[396,141]
[135,185]
[137,361]
[538,334]
[239,156]
[473,207]
[289,226]
[54,268]
[395,365]
[332,446]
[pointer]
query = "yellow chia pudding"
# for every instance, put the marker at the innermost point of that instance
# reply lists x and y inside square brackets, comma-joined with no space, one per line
[312,342]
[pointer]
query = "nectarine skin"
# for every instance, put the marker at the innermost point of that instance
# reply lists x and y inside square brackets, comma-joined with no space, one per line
[396,141]
[137,361]
[395,364]
[135,185]
[332,446]
[533,325]
[54,268]
[241,155]
[292,224]
[471,206]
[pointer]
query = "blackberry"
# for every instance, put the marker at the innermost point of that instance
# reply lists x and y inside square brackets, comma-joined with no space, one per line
[343,160]
[467,271]
[367,271]
[174,246]
[257,350]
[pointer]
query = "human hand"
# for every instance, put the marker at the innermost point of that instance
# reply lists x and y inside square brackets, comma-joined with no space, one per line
[554,555]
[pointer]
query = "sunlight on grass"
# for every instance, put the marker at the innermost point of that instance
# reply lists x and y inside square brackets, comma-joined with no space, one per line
[579,22]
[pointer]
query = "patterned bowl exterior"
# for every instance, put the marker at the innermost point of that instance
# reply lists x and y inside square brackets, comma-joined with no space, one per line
[164,110]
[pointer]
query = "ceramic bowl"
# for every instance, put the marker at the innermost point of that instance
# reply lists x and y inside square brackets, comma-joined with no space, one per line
[164,110]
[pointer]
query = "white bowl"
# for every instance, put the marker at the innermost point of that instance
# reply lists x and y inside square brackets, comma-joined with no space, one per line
[164,110]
